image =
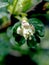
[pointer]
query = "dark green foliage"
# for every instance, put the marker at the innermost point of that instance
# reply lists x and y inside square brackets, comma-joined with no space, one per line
[39,32]
[18,42]
[1,21]
[39,27]
[4,45]
[20,39]
[32,43]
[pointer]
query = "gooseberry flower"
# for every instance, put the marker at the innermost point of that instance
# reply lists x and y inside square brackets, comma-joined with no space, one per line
[26,29]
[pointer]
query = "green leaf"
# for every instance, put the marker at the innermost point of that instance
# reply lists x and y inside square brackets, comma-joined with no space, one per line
[32,43]
[26,5]
[16,6]
[46,0]
[42,57]
[18,38]
[22,41]
[3,0]
[3,4]
[4,19]
[24,48]
[4,45]
[1,58]
[39,27]
[19,6]
[1,21]
[14,28]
